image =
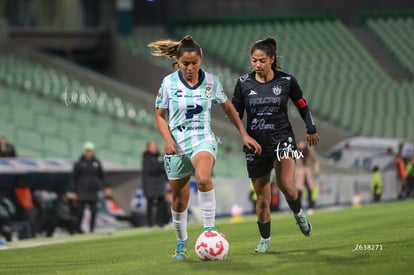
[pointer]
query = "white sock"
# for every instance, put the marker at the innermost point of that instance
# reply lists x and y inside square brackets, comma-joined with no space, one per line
[300,213]
[179,220]
[265,239]
[207,202]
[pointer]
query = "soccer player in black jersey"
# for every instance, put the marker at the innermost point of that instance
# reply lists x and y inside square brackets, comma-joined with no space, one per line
[263,94]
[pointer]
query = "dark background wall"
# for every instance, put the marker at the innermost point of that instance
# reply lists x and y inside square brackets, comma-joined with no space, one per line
[165,11]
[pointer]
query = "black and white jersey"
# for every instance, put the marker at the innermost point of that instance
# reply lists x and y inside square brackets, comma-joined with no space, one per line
[266,106]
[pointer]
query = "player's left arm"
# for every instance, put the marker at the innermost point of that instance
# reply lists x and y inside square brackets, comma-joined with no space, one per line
[233,116]
[296,96]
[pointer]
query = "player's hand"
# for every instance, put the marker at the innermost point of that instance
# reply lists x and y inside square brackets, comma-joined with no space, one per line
[170,148]
[252,144]
[312,139]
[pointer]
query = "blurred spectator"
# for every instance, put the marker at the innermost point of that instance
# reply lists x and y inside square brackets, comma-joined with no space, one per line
[7,211]
[60,215]
[307,169]
[410,179]
[153,182]
[376,183]
[168,201]
[7,150]
[25,210]
[401,174]
[87,179]
[274,199]
[252,197]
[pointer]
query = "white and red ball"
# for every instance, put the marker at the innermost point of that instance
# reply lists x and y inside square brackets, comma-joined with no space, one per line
[212,245]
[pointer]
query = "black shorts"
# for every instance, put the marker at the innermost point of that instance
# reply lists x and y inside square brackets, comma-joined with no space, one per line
[260,165]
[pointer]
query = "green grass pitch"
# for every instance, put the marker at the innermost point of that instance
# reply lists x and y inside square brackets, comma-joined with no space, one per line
[383,234]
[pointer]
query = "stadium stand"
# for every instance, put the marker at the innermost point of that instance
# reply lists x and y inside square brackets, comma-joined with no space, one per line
[342,82]
[44,122]
[137,43]
[396,33]
[50,114]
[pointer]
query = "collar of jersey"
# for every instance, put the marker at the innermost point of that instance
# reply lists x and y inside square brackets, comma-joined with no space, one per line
[253,76]
[201,77]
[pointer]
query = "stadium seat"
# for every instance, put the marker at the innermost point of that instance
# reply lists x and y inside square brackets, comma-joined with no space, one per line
[57,146]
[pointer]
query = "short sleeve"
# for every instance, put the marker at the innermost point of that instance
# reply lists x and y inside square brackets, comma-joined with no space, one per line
[237,99]
[295,90]
[161,102]
[219,96]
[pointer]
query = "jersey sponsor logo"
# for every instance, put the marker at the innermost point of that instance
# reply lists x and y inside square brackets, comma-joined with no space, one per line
[179,93]
[195,127]
[264,100]
[260,124]
[181,127]
[264,110]
[277,90]
[193,110]
[252,92]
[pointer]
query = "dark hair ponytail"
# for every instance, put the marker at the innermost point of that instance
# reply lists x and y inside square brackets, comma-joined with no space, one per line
[269,46]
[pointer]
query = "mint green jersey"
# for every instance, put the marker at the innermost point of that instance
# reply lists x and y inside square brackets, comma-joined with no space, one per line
[189,108]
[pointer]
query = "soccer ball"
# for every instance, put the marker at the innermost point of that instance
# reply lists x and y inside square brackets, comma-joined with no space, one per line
[212,245]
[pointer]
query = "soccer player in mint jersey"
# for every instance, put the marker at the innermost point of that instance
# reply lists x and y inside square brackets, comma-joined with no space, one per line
[263,94]
[183,118]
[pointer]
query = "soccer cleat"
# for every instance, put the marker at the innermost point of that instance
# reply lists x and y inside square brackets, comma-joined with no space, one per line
[262,246]
[304,224]
[209,228]
[180,252]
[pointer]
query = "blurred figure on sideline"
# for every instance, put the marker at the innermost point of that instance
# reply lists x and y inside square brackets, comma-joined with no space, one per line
[25,208]
[60,216]
[307,170]
[153,182]
[252,197]
[401,174]
[376,184]
[7,149]
[87,179]
[410,178]
[7,211]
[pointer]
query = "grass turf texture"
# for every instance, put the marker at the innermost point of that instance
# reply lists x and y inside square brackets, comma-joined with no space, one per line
[330,249]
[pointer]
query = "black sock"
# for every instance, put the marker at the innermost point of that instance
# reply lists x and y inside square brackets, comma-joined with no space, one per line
[295,205]
[264,229]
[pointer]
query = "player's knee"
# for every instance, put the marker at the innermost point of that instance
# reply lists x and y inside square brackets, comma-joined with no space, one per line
[204,183]
[179,205]
[262,205]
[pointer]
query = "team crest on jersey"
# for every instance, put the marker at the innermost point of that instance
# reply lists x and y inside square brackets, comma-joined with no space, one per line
[277,90]
[208,91]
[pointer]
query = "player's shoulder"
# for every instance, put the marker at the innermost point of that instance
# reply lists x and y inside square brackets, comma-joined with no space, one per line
[208,76]
[285,75]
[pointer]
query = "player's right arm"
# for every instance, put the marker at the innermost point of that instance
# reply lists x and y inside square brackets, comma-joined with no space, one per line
[170,148]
